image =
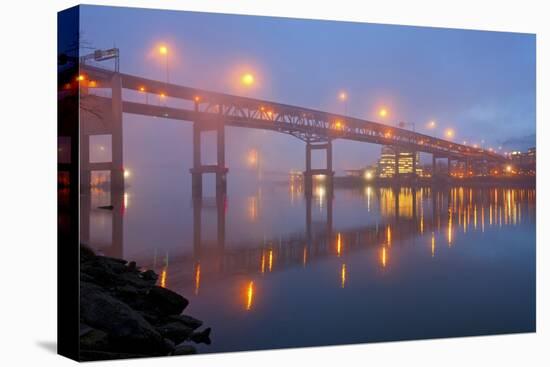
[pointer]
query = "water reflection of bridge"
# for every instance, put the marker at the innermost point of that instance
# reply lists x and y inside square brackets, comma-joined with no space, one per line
[406,215]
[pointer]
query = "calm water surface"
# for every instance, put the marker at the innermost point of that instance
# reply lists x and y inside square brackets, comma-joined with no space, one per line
[268,267]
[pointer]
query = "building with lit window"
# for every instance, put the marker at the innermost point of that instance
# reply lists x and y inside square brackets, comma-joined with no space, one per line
[525,162]
[386,163]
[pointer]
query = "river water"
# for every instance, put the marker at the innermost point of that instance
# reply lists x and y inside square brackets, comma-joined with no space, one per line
[269,267]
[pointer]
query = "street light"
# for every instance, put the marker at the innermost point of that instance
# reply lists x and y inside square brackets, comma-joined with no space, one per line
[450,133]
[431,124]
[247,79]
[343,96]
[163,50]
[383,112]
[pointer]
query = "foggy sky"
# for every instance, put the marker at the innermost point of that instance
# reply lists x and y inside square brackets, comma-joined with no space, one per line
[482,84]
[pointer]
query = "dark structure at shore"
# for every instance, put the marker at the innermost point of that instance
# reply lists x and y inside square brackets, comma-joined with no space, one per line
[124,314]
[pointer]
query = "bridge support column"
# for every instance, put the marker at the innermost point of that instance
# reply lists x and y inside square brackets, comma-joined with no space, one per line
[434,165]
[196,174]
[396,162]
[327,172]
[117,169]
[218,169]
[449,162]
[414,165]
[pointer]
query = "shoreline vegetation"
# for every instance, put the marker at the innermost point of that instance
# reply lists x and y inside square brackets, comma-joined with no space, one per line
[125,314]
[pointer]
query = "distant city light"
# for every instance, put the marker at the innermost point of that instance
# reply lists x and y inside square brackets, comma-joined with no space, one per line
[431,124]
[127,173]
[343,96]
[142,89]
[368,175]
[508,168]
[81,78]
[449,133]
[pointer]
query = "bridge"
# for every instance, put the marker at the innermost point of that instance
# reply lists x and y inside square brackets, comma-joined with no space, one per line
[212,111]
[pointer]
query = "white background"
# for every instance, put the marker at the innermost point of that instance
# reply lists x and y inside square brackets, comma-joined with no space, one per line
[28,181]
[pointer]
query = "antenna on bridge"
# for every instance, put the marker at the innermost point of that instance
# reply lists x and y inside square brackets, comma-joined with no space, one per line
[103,55]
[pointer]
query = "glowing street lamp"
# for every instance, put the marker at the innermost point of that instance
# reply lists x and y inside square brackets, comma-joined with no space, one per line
[247,79]
[343,96]
[143,90]
[450,133]
[163,50]
[431,124]
[383,112]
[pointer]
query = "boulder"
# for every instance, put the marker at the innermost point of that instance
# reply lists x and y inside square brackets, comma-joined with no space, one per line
[187,320]
[184,349]
[94,339]
[149,275]
[128,331]
[201,336]
[165,302]
[175,331]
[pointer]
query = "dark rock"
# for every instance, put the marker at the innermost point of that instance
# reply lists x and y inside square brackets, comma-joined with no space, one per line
[132,266]
[86,278]
[184,349]
[165,302]
[135,280]
[202,336]
[175,331]
[116,265]
[84,328]
[170,345]
[188,321]
[128,293]
[96,355]
[94,339]
[149,275]
[128,331]
[86,253]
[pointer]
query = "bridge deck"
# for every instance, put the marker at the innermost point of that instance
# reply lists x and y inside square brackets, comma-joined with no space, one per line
[307,124]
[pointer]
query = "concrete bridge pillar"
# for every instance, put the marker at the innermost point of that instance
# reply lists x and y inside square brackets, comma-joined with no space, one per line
[434,165]
[117,165]
[414,164]
[449,162]
[199,169]
[327,172]
[396,166]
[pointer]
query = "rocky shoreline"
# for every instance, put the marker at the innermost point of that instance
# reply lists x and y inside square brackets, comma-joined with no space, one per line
[124,314]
